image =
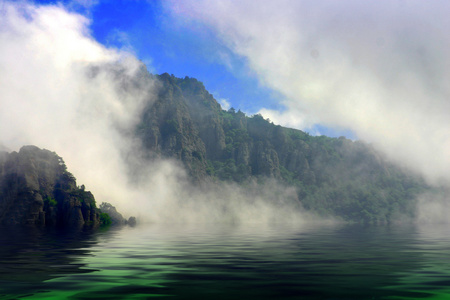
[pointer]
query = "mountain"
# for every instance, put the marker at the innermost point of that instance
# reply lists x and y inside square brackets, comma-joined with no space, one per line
[37,189]
[337,176]
[332,176]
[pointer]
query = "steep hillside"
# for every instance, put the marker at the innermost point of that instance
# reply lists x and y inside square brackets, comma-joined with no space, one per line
[36,188]
[333,175]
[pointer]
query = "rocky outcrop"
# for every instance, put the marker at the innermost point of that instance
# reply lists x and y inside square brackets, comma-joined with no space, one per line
[36,188]
[116,217]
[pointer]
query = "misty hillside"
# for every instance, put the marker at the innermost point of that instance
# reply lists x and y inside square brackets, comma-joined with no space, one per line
[332,175]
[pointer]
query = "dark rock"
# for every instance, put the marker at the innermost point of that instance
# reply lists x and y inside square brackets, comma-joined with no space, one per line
[131,221]
[37,189]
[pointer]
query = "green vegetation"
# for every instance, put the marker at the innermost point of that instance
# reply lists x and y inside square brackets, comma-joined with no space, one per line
[114,216]
[50,201]
[334,176]
[105,219]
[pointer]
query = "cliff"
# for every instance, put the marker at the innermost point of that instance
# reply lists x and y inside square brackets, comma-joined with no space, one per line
[36,188]
[337,176]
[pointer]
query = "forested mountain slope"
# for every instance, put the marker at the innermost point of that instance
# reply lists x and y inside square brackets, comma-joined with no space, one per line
[333,175]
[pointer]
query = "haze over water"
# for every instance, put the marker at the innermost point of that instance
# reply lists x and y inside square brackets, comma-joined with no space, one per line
[227,262]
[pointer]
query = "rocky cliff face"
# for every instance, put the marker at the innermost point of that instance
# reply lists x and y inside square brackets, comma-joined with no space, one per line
[332,175]
[168,129]
[36,188]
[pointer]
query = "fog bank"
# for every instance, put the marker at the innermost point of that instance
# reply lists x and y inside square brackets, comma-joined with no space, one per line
[378,68]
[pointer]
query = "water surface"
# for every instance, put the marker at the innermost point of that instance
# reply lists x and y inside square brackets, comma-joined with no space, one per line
[227,262]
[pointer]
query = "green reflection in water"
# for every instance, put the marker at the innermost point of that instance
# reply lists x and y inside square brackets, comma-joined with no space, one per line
[432,244]
[223,262]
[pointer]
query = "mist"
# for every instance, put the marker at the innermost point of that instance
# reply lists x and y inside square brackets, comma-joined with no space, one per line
[380,69]
[59,92]
[63,91]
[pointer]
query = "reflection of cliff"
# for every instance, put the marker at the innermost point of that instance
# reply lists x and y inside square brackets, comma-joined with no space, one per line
[36,188]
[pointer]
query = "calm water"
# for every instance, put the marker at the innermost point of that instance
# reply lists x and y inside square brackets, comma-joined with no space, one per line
[225,262]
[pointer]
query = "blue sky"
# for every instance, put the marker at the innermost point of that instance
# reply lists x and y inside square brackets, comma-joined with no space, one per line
[167,44]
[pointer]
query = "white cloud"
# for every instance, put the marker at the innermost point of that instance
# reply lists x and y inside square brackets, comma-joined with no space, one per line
[378,68]
[60,90]
[224,103]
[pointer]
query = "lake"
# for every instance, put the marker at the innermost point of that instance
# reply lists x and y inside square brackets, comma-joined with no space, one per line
[227,262]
